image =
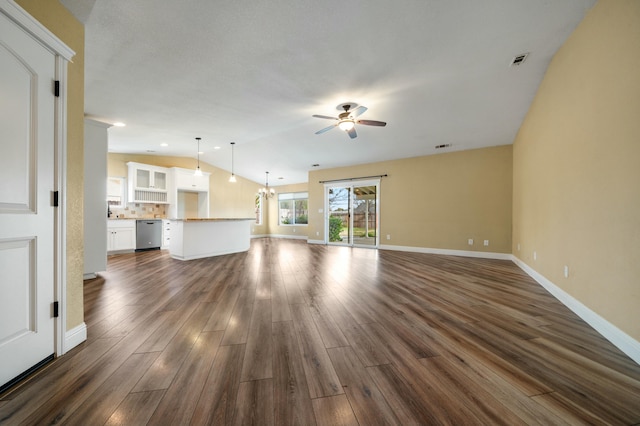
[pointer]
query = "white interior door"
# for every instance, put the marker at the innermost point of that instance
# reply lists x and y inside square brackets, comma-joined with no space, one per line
[27,103]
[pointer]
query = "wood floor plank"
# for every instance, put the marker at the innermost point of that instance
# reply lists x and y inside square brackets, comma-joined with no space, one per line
[180,399]
[329,331]
[224,307]
[442,339]
[254,405]
[136,409]
[365,398]
[334,411]
[217,401]
[279,302]
[237,329]
[68,399]
[259,350]
[62,373]
[292,404]
[320,374]
[101,404]
[367,350]
[162,372]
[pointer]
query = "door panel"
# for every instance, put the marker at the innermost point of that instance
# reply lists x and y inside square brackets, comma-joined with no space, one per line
[339,213]
[365,218]
[26,213]
[353,214]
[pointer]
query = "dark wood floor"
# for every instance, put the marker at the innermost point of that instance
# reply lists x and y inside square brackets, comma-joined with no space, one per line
[291,333]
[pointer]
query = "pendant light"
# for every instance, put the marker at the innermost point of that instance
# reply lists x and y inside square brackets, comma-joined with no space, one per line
[232,179]
[267,192]
[198,172]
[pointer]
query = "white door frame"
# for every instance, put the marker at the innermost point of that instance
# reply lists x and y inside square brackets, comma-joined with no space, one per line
[63,55]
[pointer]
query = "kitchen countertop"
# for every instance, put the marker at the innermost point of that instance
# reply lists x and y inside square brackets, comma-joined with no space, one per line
[137,218]
[214,219]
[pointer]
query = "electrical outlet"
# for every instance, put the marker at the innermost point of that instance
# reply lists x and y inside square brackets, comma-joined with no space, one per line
[388,236]
[518,246]
[470,241]
[566,271]
[294,229]
[535,256]
[486,242]
[317,233]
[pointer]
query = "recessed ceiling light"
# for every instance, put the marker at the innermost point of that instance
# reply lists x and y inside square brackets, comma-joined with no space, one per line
[119,124]
[280,178]
[200,152]
[164,144]
[216,147]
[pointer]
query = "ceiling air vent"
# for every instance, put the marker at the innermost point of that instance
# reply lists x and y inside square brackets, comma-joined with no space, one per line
[518,60]
[444,145]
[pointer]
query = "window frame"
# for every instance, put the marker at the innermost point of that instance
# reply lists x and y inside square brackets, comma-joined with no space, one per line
[293,197]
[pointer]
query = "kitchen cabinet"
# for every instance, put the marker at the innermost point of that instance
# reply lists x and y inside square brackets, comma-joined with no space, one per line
[147,183]
[166,233]
[121,235]
[188,181]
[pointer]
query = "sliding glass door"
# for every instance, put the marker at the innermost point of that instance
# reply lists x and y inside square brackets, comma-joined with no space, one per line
[352,213]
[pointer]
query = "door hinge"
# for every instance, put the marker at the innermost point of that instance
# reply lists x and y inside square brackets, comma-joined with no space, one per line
[56,89]
[56,311]
[56,197]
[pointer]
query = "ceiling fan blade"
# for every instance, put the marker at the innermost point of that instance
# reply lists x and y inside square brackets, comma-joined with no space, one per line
[326,129]
[372,123]
[324,116]
[356,112]
[352,133]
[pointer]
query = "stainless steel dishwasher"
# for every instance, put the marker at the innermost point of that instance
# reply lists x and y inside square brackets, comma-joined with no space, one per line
[148,234]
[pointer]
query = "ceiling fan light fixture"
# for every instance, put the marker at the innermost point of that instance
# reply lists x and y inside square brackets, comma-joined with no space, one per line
[346,125]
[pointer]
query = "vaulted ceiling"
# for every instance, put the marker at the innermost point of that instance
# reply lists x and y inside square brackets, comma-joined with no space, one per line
[254,72]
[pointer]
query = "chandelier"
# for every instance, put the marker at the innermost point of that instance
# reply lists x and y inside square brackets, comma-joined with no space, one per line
[267,192]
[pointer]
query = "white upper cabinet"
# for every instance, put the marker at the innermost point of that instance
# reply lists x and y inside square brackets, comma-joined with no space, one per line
[186,180]
[147,183]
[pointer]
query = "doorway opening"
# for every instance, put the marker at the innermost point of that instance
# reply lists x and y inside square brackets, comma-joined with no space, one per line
[353,213]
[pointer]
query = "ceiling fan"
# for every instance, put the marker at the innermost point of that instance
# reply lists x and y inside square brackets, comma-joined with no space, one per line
[347,119]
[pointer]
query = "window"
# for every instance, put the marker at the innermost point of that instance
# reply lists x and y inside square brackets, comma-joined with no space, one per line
[258,211]
[293,208]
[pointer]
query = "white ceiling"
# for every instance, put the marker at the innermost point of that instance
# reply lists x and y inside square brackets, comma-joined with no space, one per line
[254,72]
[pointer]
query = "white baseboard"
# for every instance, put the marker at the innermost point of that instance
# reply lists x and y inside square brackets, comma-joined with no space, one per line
[619,338]
[259,235]
[465,253]
[89,276]
[74,337]
[316,242]
[291,237]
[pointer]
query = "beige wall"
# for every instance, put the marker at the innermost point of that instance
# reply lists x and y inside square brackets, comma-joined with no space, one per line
[577,167]
[436,201]
[297,231]
[57,19]
[226,199]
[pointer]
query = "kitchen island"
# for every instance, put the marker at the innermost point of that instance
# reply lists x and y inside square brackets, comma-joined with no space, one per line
[198,238]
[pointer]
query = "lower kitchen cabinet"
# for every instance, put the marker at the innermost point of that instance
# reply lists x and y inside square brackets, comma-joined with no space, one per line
[121,235]
[166,233]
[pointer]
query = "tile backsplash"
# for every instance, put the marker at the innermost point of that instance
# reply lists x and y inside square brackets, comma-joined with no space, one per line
[139,211]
